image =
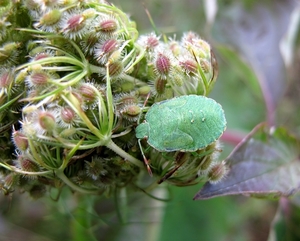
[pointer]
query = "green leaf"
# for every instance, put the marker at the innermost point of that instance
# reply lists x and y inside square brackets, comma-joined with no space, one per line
[265,164]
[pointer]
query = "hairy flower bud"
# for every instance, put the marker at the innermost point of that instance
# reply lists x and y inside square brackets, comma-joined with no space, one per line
[67,115]
[47,121]
[49,21]
[104,49]
[160,85]
[6,79]
[20,140]
[28,165]
[131,112]
[217,172]
[38,78]
[162,65]
[107,25]
[88,93]
[115,69]
[189,65]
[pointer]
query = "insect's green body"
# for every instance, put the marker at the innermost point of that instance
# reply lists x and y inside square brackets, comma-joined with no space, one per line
[186,123]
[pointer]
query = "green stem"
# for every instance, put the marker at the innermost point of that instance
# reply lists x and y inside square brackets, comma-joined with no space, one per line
[75,105]
[19,171]
[66,180]
[152,186]
[111,145]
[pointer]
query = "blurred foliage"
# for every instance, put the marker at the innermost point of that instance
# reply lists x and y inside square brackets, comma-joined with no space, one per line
[255,84]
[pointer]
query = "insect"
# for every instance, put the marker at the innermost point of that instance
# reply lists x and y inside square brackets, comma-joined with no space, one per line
[186,123]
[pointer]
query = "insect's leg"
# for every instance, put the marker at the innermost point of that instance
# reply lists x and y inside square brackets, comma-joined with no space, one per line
[145,159]
[205,153]
[180,160]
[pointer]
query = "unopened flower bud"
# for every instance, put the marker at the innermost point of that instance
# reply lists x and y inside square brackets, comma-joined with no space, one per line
[50,18]
[217,172]
[20,140]
[105,49]
[115,69]
[127,99]
[47,121]
[162,65]
[107,25]
[88,93]
[39,78]
[160,85]
[189,65]
[9,182]
[177,77]
[6,79]
[74,23]
[28,165]
[144,90]
[67,115]
[131,112]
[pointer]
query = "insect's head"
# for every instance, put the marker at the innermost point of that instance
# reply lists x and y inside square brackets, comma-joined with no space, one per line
[142,130]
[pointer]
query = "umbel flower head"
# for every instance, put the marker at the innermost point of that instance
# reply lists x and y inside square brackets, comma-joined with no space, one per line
[75,81]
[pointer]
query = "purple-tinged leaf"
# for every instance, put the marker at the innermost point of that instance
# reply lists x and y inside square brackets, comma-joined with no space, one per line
[265,164]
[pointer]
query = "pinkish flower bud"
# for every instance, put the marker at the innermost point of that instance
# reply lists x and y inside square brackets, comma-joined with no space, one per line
[39,78]
[108,25]
[6,79]
[189,65]
[115,68]
[74,23]
[67,115]
[162,65]
[28,165]
[152,41]
[88,93]
[20,140]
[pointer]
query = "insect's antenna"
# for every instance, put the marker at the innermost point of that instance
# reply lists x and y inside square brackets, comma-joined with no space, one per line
[139,140]
[145,102]
[145,159]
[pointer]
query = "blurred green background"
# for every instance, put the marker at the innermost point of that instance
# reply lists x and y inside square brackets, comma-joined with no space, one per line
[257,47]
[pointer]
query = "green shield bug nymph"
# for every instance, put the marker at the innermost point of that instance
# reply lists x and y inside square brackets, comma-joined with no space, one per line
[186,123]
